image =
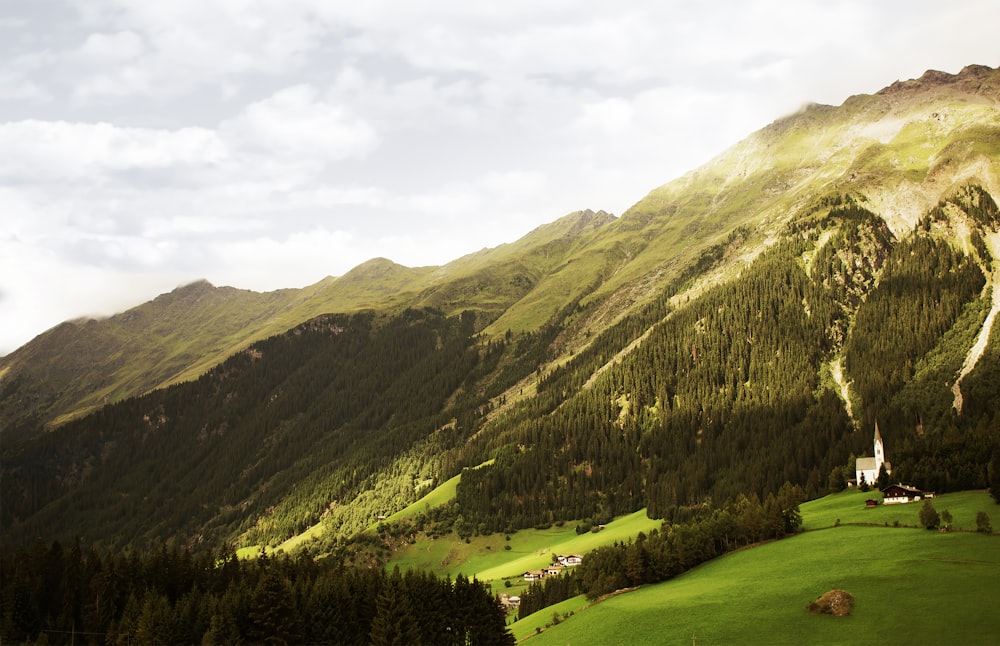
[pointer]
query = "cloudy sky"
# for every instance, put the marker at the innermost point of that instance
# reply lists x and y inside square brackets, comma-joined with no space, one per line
[266,144]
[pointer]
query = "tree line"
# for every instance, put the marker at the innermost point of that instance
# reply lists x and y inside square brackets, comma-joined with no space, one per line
[173,596]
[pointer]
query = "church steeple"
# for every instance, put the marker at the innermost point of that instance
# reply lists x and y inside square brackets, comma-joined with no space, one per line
[867,469]
[880,452]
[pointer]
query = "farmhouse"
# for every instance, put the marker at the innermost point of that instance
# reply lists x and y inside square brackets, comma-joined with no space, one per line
[900,493]
[534,575]
[510,601]
[867,469]
[569,560]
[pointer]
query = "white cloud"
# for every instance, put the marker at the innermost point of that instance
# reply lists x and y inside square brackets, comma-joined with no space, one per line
[295,124]
[16,82]
[181,45]
[608,115]
[39,151]
[269,263]
[112,49]
[267,144]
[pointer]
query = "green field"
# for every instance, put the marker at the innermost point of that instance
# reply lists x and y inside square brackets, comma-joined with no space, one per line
[440,495]
[543,620]
[911,586]
[849,507]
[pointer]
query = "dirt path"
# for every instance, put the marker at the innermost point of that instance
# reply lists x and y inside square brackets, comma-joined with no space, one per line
[993,241]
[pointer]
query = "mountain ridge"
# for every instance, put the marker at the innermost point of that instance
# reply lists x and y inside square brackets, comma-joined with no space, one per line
[727,333]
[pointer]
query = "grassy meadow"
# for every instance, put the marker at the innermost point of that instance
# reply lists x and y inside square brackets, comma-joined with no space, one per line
[487,558]
[911,586]
[849,507]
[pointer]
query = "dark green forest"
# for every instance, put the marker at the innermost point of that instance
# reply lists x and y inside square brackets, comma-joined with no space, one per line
[278,431]
[71,595]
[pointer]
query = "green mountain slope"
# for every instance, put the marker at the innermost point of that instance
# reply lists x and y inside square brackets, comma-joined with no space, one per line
[81,365]
[743,326]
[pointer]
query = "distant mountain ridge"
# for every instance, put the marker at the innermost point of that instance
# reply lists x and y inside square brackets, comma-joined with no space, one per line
[729,332]
[86,363]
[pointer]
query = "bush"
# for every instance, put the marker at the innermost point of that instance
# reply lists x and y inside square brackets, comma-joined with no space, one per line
[929,517]
[983,523]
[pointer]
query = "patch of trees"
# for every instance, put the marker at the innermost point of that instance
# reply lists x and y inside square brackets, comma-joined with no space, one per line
[173,596]
[976,202]
[921,293]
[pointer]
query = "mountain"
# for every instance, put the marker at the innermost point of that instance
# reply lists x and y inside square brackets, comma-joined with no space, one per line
[742,326]
[81,365]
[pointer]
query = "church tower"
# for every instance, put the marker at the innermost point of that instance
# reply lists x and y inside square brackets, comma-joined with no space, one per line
[867,469]
[879,451]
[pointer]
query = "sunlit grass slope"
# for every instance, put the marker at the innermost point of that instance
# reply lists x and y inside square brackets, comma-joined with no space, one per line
[849,507]
[487,558]
[911,586]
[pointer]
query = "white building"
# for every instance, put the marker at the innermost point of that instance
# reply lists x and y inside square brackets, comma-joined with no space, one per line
[869,467]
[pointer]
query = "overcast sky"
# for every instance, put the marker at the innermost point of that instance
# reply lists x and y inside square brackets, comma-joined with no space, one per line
[267,144]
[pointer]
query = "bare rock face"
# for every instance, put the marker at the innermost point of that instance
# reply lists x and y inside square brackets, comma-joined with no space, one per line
[838,603]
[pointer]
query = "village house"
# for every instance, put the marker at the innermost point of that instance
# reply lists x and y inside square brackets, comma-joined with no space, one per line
[534,575]
[900,493]
[561,562]
[510,602]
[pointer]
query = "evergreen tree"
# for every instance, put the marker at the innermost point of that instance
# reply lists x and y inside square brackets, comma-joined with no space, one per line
[883,477]
[929,517]
[395,622]
[272,615]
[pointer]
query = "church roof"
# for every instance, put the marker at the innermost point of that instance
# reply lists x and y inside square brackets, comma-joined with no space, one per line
[865,464]
[878,436]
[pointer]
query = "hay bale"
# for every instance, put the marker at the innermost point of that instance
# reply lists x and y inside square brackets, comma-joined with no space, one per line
[838,603]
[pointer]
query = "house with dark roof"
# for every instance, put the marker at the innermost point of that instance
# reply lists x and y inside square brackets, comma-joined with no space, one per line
[900,493]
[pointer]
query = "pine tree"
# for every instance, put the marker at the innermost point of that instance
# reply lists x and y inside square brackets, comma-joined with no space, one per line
[272,615]
[395,622]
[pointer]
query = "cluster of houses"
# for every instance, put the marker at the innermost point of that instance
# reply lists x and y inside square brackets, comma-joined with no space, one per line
[511,602]
[867,470]
[561,563]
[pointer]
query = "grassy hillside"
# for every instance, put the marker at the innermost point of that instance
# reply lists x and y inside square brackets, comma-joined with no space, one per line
[911,586]
[487,557]
[849,507]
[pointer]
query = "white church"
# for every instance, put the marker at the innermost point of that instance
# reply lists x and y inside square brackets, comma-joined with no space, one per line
[869,467]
